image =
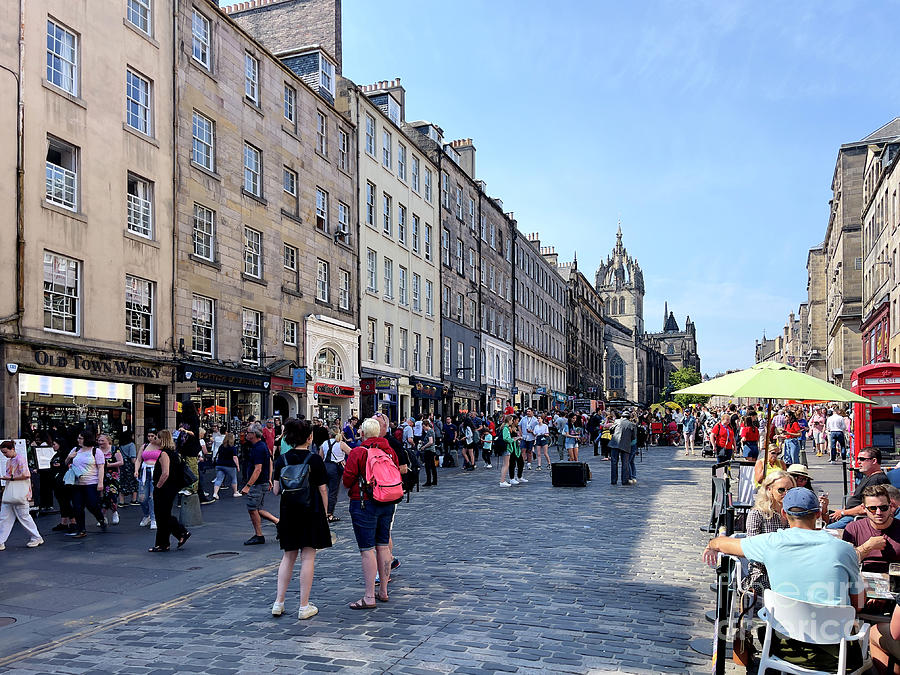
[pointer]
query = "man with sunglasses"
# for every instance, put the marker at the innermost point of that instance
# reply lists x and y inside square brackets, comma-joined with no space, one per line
[870,466]
[877,536]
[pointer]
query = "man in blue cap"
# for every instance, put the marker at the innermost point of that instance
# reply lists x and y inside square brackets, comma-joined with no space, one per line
[802,562]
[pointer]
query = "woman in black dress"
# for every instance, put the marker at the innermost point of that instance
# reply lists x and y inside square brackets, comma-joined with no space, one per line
[167,473]
[302,528]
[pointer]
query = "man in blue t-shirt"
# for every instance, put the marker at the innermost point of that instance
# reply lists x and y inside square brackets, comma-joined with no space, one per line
[802,562]
[258,484]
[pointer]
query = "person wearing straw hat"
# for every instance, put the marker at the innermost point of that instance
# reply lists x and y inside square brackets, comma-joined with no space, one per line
[801,476]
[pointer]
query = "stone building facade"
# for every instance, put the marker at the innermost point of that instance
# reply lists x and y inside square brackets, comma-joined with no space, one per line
[816,324]
[285,25]
[494,240]
[457,244]
[267,227]
[844,256]
[400,281]
[585,344]
[86,331]
[879,247]
[540,325]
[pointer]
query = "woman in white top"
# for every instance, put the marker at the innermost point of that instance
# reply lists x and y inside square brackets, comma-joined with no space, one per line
[334,451]
[542,441]
[88,465]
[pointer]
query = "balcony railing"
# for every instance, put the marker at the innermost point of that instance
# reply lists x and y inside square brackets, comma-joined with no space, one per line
[62,186]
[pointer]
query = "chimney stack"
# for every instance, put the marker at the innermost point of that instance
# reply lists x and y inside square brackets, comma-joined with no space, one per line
[466,155]
[550,255]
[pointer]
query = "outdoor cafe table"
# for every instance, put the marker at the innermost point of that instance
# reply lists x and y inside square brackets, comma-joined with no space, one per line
[878,589]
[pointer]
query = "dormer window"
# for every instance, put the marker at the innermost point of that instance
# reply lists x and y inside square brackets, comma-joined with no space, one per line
[393,110]
[326,74]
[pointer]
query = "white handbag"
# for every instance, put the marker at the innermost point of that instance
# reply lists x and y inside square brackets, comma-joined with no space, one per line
[16,492]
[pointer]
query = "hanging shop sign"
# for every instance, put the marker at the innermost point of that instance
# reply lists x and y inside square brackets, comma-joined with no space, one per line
[386,383]
[334,390]
[224,378]
[366,386]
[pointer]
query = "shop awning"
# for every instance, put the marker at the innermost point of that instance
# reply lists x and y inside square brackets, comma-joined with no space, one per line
[71,386]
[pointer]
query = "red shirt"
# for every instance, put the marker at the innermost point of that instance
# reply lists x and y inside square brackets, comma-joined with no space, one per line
[723,436]
[792,430]
[750,434]
[356,463]
[269,438]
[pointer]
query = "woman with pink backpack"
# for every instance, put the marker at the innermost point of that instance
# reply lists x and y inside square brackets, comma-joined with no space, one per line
[374,485]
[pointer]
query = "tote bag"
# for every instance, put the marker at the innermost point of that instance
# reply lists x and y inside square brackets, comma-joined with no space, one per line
[16,492]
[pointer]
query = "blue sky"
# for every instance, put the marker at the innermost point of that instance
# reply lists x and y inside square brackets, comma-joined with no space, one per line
[710,128]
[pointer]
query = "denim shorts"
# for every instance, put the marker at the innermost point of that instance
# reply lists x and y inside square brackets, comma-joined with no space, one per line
[226,472]
[371,523]
[527,445]
[256,496]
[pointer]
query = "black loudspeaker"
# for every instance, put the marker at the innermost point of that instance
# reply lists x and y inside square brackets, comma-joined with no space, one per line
[569,474]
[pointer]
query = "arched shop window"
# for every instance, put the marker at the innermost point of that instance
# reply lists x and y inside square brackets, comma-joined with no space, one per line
[328,365]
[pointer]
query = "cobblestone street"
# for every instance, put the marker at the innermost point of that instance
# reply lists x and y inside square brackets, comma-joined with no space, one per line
[527,579]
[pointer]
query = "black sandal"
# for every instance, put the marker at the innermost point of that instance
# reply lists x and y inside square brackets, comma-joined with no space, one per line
[183,540]
[333,519]
[158,549]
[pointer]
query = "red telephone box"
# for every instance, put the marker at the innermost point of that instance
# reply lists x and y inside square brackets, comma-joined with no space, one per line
[877,425]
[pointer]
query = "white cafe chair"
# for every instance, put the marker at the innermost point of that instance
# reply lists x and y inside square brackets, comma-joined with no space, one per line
[814,624]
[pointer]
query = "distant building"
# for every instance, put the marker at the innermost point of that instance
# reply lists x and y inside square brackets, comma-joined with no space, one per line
[637,363]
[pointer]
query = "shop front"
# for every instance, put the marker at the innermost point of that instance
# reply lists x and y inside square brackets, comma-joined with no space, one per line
[332,368]
[876,335]
[331,402]
[462,400]
[496,399]
[56,389]
[289,394]
[224,396]
[426,396]
[379,393]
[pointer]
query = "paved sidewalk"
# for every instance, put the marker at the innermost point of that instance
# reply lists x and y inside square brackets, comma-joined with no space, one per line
[525,579]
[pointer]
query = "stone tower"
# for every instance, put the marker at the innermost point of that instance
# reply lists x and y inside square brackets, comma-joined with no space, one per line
[620,284]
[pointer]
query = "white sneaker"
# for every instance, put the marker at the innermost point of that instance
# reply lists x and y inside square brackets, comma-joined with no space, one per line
[277,608]
[514,481]
[115,518]
[307,612]
[523,479]
[528,466]
[488,466]
[34,543]
[2,547]
[505,483]
[152,524]
[145,521]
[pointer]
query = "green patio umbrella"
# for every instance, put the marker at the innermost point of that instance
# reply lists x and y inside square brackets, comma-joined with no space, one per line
[773,381]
